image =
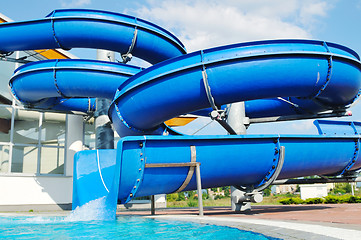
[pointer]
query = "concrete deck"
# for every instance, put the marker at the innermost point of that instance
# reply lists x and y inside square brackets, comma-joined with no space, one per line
[322,221]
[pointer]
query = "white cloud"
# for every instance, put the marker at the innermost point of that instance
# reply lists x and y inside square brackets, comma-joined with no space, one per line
[202,24]
[74,3]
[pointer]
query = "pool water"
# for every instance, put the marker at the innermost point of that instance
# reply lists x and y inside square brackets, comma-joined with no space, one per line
[124,227]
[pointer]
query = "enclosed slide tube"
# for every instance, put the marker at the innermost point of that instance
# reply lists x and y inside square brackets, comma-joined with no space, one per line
[320,76]
[86,29]
[69,84]
[117,32]
[73,28]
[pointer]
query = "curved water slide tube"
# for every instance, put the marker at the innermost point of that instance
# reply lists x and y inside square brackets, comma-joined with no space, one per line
[317,75]
[322,75]
[87,29]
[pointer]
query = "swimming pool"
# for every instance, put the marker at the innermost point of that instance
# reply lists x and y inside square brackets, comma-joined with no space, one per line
[124,227]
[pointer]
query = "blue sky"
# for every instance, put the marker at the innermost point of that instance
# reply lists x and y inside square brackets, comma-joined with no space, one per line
[201,24]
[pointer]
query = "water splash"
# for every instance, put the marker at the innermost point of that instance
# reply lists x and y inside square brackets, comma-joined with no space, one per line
[93,210]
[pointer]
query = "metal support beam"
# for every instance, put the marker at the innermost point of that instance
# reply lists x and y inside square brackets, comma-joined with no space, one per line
[236,116]
[103,129]
[300,117]
[199,190]
[317,180]
[198,178]
[152,205]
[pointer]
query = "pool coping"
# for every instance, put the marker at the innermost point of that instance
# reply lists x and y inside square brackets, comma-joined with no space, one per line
[271,228]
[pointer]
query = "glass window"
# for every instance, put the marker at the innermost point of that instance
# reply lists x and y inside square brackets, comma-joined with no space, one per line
[53,133]
[6,71]
[26,127]
[24,159]
[52,160]
[5,123]
[4,158]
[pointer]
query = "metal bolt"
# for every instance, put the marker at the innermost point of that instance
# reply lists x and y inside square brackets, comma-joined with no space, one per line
[131,195]
[273,167]
[140,144]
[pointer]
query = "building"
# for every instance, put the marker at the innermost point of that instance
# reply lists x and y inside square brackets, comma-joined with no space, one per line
[36,147]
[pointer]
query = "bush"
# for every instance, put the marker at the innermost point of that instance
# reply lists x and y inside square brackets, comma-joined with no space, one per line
[181,197]
[218,197]
[354,199]
[205,196]
[289,201]
[172,197]
[342,188]
[314,200]
[192,203]
[227,191]
[267,192]
[332,199]
[191,194]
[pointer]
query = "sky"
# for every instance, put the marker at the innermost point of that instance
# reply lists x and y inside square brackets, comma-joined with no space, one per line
[202,24]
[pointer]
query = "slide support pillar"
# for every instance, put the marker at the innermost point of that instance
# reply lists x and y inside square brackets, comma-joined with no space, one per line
[103,129]
[236,118]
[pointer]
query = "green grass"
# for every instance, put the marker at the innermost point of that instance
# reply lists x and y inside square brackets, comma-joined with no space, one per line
[223,202]
[226,202]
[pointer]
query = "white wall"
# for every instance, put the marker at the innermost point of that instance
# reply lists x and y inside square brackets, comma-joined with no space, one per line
[313,191]
[160,200]
[30,190]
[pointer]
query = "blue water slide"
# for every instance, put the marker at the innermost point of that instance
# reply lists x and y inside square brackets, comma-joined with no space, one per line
[72,28]
[322,76]
[76,28]
[314,76]
[61,82]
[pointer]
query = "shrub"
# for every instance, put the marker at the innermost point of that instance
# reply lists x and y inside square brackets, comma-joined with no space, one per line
[192,203]
[342,188]
[289,201]
[354,199]
[205,196]
[267,191]
[172,197]
[331,199]
[181,196]
[314,200]
[227,191]
[218,197]
[349,199]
